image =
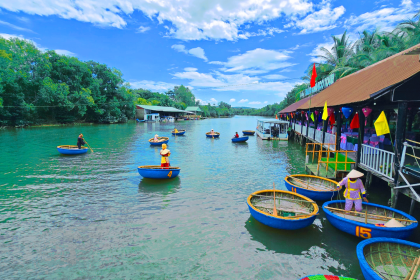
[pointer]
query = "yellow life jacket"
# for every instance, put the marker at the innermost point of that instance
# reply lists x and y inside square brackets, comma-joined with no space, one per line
[165,159]
[349,190]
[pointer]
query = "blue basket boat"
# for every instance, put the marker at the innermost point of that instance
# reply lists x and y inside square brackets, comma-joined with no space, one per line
[240,139]
[370,222]
[180,132]
[157,172]
[216,135]
[162,140]
[326,277]
[71,150]
[248,132]
[314,187]
[388,258]
[294,211]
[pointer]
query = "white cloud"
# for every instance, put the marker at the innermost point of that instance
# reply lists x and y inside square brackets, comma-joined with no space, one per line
[190,69]
[15,26]
[254,102]
[317,52]
[216,62]
[257,61]
[274,77]
[243,100]
[265,102]
[385,19]
[153,85]
[215,20]
[197,52]
[232,100]
[324,19]
[65,52]
[142,29]
[213,101]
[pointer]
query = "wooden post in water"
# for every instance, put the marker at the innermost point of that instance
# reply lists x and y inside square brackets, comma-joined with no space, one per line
[361,135]
[338,138]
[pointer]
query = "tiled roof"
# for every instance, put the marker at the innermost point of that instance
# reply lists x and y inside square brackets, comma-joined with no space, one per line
[294,106]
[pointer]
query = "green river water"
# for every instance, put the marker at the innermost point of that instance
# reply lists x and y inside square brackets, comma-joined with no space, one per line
[92,216]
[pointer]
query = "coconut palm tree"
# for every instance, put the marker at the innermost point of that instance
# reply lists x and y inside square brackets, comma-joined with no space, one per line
[410,30]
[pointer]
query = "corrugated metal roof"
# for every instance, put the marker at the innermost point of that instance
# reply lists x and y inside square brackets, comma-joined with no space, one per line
[294,106]
[162,109]
[361,85]
[193,109]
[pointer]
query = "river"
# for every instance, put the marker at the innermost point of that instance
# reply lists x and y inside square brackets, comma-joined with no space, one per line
[93,216]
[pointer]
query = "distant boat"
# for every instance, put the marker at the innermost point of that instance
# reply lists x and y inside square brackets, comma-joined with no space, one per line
[180,132]
[248,132]
[162,140]
[157,172]
[326,277]
[294,211]
[216,135]
[140,120]
[240,139]
[371,222]
[314,187]
[388,258]
[71,150]
[269,129]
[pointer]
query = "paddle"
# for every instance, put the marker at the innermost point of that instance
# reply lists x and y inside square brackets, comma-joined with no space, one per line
[274,208]
[88,145]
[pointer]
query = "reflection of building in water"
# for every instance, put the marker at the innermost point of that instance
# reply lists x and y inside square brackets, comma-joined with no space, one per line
[272,129]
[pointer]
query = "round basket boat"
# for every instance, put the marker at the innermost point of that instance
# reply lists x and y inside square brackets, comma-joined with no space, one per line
[370,222]
[388,258]
[314,187]
[216,135]
[157,172]
[162,140]
[248,132]
[71,150]
[294,211]
[240,139]
[325,277]
[180,132]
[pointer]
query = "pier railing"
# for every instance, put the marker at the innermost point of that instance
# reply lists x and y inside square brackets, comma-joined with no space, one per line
[311,133]
[377,160]
[304,130]
[298,128]
[318,136]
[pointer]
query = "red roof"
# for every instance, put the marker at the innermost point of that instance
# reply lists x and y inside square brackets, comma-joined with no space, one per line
[294,106]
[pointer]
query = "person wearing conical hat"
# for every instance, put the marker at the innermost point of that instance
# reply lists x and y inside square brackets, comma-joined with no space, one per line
[156,139]
[175,130]
[355,190]
[212,132]
[165,153]
[80,141]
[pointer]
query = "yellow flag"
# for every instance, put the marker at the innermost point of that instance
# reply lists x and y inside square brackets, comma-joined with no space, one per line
[325,113]
[381,125]
[312,117]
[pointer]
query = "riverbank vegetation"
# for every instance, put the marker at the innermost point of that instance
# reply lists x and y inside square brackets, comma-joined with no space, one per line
[38,87]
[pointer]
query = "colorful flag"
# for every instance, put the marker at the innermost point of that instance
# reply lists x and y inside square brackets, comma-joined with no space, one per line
[325,113]
[355,123]
[381,125]
[313,77]
[312,117]
[276,117]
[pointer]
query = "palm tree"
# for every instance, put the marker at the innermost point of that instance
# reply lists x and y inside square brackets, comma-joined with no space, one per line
[410,30]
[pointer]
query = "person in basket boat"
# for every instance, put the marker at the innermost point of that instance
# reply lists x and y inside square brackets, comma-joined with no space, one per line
[156,139]
[355,190]
[176,130]
[80,141]
[212,132]
[165,153]
[236,135]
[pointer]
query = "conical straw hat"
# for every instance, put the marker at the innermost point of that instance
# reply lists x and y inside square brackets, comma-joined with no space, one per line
[393,223]
[355,174]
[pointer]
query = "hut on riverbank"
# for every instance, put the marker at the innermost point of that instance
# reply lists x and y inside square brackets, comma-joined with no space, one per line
[348,135]
[157,113]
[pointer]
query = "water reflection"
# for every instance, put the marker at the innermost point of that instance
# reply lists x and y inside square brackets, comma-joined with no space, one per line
[163,187]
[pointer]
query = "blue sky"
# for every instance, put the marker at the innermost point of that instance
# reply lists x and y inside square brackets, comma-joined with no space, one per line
[247,53]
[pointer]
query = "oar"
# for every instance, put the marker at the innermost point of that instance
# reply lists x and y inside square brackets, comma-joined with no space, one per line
[415,269]
[411,269]
[274,208]
[88,145]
